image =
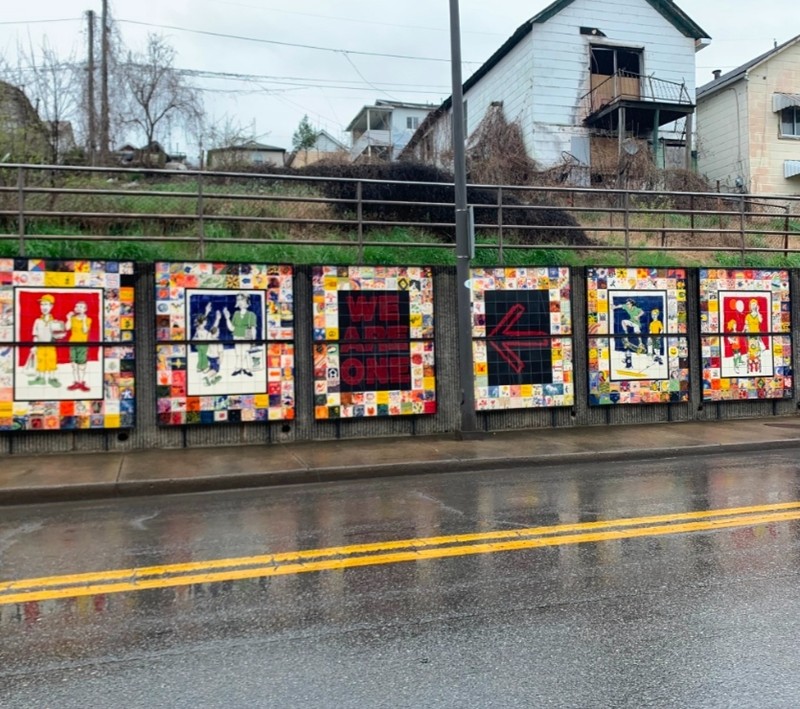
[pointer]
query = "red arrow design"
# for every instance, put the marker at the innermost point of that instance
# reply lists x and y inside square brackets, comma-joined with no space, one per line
[505,328]
[506,351]
[511,318]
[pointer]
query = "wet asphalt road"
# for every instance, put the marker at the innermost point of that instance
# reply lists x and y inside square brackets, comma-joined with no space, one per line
[700,619]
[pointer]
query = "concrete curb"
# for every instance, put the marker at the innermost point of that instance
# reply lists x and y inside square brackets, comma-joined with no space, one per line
[176,486]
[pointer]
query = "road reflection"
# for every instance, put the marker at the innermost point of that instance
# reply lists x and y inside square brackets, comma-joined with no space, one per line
[339,515]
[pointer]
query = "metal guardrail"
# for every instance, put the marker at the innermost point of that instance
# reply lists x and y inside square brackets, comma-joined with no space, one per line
[194,208]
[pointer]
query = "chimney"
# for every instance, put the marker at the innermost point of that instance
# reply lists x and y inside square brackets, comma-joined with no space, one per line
[717,73]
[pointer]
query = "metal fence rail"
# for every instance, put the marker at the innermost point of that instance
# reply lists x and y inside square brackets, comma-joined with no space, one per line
[198,209]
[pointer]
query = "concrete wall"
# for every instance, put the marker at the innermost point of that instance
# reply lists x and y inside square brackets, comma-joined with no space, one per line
[305,428]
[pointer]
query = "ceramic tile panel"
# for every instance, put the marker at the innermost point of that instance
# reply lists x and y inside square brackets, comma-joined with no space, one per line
[373,341]
[745,323]
[522,337]
[225,343]
[66,344]
[637,336]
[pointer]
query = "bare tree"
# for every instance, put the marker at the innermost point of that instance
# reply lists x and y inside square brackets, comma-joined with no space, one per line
[52,86]
[159,93]
[222,133]
[54,83]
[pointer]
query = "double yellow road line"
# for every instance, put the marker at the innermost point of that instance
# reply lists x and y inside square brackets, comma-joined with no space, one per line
[389,552]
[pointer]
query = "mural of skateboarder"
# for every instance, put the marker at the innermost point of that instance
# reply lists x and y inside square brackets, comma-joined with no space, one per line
[631,325]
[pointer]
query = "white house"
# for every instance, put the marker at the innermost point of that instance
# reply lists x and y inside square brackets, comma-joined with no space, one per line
[247,153]
[582,77]
[383,130]
[748,124]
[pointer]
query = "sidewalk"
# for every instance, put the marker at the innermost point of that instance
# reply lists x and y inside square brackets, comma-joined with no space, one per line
[76,476]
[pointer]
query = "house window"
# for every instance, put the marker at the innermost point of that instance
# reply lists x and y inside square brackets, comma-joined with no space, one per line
[607,61]
[412,122]
[790,122]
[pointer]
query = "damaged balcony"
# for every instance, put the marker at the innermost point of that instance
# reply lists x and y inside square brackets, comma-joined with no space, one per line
[637,104]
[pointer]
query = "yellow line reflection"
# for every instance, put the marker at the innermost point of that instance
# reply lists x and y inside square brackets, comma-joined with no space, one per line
[338,558]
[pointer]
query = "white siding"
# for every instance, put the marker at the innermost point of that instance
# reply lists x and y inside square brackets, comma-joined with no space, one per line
[511,82]
[400,133]
[722,131]
[542,80]
[561,57]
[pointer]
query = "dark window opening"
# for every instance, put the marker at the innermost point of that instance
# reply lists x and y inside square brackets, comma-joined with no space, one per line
[607,61]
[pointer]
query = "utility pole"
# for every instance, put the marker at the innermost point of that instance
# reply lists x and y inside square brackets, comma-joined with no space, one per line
[104,87]
[90,91]
[469,420]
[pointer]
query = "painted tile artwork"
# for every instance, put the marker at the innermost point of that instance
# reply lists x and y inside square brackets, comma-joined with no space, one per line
[225,343]
[745,322]
[373,341]
[66,345]
[522,338]
[638,348]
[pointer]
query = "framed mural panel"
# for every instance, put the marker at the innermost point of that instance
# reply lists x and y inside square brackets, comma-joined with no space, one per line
[638,347]
[745,323]
[66,345]
[522,337]
[373,341]
[224,343]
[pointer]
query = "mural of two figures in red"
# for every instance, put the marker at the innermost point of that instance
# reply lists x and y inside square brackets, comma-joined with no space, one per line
[745,320]
[59,334]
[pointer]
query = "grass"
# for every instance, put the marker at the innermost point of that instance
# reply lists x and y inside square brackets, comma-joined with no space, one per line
[258,240]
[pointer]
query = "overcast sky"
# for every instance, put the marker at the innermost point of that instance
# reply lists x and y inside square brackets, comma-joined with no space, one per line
[339,70]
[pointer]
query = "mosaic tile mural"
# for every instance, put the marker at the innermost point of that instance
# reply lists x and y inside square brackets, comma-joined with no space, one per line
[522,338]
[373,341]
[224,343]
[66,345]
[745,322]
[638,348]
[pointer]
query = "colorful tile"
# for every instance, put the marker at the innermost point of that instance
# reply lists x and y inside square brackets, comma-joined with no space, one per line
[66,353]
[638,343]
[522,343]
[745,320]
[225,343]
[373,341]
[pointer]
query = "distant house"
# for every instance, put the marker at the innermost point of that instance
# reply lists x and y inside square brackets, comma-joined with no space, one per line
[748,124]
[246,154]
[585,80]
[325,147]
[383,130]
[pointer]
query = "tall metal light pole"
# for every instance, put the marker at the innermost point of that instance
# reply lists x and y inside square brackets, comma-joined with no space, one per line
[469,420]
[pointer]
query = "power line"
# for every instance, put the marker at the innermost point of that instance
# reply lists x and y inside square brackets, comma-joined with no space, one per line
[287,44]
[38,22]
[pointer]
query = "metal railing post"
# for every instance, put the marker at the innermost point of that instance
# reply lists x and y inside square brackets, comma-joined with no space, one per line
[741,227]
[201,225]
[627,225]
[360,218]
[786,234]
[500,255]
[21,208]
